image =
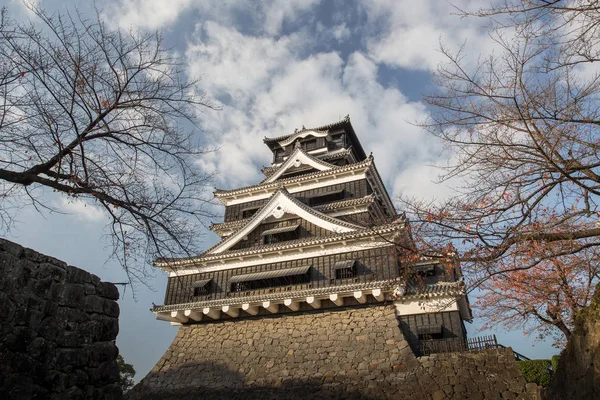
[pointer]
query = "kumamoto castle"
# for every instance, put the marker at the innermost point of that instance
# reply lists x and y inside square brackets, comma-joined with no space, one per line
[306,295]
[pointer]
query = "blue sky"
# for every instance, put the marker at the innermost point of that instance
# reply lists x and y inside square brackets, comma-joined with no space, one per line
[274,66]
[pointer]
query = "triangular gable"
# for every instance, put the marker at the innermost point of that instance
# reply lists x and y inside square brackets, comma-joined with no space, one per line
[295,160]
[283,203]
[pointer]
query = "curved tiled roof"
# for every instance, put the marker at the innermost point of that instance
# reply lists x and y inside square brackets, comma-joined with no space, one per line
[259,216]
[435,289]
[334,155]
[368,199]
[291,244]
[367,162]
[320,128]
[325,207]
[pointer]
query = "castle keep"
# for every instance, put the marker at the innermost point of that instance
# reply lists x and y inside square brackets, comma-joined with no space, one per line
[306,295]
[318,232]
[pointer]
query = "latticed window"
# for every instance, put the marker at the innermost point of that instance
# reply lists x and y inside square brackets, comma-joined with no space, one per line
[310,144]
[281,234]
[270,279]
[345,269]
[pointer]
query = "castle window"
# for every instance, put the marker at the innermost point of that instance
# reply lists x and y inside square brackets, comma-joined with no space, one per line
[326,197]
[249,211]
[337,142]
[309,145]
[278,155]
[270,279]
[430,332]
[425,270]
[281,234]
[345,269]
[202,288]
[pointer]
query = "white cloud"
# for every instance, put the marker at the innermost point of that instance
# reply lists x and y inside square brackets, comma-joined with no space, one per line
[267,16]
[407,34]
[149,14]
[81,210]
[274,89]
[340,32]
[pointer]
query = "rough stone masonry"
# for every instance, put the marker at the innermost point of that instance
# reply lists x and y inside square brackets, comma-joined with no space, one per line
[349,353]
[58,326]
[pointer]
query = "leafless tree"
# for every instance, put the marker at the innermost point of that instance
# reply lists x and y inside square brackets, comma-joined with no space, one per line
[107,118]
[521,127]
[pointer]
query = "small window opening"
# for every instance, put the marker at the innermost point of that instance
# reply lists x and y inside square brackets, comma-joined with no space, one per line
[337,142]
[282,234]
[202,288]
[248,212]
[271,279]
[309,144]
[430,332]
[425,271]
[345,269]
[325,198]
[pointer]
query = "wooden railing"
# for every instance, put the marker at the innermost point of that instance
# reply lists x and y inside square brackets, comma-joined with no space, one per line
[427,347]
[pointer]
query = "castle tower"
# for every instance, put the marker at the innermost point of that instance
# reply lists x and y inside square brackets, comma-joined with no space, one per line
[319,231]
[307,257]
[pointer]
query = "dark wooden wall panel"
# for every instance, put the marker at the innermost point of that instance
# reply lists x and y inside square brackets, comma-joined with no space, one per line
[372,264]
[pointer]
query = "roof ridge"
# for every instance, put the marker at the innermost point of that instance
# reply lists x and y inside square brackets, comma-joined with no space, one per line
[339,203]
[367,161]
[320,128]
[377,230]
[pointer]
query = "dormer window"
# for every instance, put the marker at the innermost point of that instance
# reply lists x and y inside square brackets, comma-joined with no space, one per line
[281,234]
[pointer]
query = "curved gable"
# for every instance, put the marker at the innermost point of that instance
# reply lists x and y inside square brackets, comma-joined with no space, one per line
[282,203]
[302,134]
[296,159]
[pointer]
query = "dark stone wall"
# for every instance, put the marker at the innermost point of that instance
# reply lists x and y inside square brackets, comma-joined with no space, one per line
[346,353]
[58,326]
[578,372]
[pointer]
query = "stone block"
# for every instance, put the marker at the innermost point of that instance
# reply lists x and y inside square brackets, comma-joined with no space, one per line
[72,295]
[78,276]
[108,290]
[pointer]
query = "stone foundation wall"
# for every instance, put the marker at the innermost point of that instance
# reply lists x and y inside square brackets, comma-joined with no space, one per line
[347,353]
[578,372]
[58,325]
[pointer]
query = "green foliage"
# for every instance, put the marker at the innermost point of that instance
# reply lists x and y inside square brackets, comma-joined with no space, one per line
[126,374]
[555,362]
[536,371]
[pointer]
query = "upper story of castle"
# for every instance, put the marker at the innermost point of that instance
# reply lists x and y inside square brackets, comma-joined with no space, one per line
[320,230]
[325,169]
